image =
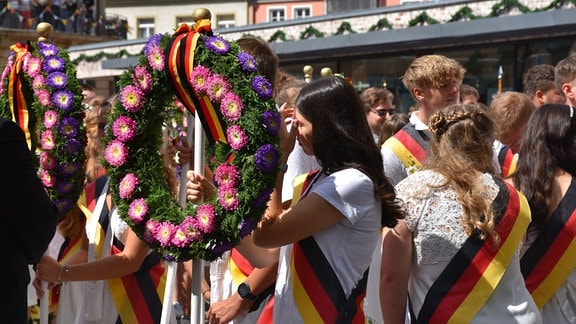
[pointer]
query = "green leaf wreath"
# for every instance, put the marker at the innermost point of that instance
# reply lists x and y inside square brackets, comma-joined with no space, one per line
[245,167]
[39,81]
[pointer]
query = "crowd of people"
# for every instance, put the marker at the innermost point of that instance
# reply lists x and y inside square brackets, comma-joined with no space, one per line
[77,16]
[458,211]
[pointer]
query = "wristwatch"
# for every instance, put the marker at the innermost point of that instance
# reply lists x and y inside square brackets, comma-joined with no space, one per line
[245,292]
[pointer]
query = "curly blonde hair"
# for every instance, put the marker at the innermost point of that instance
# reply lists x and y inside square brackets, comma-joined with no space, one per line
[430,71]
[460,149]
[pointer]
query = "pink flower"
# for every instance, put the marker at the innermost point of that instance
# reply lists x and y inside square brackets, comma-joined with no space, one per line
[124,128]
[137,210]
[116,153]
[236,137]
[164,234]
[39,82]
[47,140]
[227,197]
[217,87]
[142,79]
[50,118]
[226,175]
[34,66]
[205,216]
[231,106]
[131,98]
[127,185]
[156,58]
[47,161]
[47,179]
[199,78]
[190,227]
[180,239]
[150,230]
[44,98]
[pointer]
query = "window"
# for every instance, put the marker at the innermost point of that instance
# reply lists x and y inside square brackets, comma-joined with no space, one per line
[145,27]
[188,20]
[225,21]
[276,15]
[302,12]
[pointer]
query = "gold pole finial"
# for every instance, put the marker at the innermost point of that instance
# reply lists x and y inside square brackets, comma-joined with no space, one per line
[308,69]
[44,31]
[201,13]
[326,71]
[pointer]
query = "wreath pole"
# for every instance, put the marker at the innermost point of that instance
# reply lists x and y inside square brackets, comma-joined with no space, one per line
[196,299]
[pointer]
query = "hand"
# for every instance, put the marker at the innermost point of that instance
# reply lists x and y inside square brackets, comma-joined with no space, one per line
[198,187]
[47,269]
[286,112]
[227,310]
[288,139]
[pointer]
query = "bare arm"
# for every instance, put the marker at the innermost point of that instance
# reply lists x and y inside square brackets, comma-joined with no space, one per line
[394,272]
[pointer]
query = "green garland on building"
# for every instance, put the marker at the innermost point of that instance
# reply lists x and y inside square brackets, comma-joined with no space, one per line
[422,19]
[278,35]
[381,24]
[311,31]
[344,27]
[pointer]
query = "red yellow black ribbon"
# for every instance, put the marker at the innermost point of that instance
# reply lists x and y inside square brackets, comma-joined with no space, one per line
[409,145]
[16,99]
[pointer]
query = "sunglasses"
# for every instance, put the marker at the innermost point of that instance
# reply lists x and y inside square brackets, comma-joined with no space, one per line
[383,112]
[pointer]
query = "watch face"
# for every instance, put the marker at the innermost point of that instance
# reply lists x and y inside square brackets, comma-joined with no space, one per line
[244,292]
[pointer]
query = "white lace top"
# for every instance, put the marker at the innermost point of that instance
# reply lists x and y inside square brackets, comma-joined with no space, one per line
[434,217]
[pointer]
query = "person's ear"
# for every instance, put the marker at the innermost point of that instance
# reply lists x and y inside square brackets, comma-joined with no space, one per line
[418,94]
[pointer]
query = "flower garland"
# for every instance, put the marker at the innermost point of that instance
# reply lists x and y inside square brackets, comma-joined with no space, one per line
[244,168]
[49,86]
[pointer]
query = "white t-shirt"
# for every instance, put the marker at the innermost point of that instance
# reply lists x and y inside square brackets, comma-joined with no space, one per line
[298,163]
[347,245]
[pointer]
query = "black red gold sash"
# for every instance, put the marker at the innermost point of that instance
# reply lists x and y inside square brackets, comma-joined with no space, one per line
[239,267]
[137,296]
[179,66]
[470,278]
[507,161]
[16,98]
[317,291]
[552,257]
[409,145]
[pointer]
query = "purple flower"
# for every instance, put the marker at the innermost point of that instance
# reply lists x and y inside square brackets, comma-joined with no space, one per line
[228,198]
[137,210]
[63,99]
[57,80]
[71,147]
[247,62]
[153,41]
[236,137]
[262,87]
[142,79]
[65,187]
[127,185]
[222,247]
[70,169]
[217,45]
[131,98]
[272,122]
[247,226]
[116,153]
[266,158]
[124,128]
[54,64]
[205,217]
[226,175]
[47,49]
[63,204]
[50,118]
[263,197]
[68,127]
[231,106]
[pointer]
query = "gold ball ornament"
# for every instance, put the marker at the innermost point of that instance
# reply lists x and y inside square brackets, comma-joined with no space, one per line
[201,13]
[44,31]
[326,72]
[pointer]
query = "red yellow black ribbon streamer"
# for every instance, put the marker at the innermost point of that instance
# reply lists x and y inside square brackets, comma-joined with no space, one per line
[16,99]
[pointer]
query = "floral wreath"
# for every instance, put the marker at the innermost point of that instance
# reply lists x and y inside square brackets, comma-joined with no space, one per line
[245,161]
[40,76]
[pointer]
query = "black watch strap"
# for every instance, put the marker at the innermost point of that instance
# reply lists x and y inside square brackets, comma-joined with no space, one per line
[245,292]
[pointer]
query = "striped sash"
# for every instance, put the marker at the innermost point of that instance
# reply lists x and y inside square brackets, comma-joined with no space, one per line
[137,296]
[409,145]
[17,101]
[507,161]
[552,257]
[317,291]
[239,267]
[470,278]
